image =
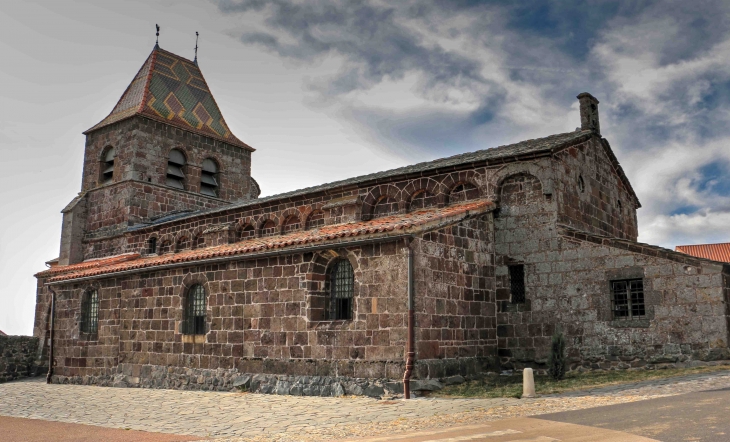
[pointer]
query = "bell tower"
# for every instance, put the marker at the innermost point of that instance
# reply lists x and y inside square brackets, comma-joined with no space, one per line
[165,148]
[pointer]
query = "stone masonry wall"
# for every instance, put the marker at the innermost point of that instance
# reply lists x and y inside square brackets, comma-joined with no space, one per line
[590,195]
[17,357]
[569,286]
[142,146]
[455,299]
[258,319]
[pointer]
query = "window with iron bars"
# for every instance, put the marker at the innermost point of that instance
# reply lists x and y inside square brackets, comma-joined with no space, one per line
[90,312]
[194,323]
[341,290]
[517,283]
[628,299]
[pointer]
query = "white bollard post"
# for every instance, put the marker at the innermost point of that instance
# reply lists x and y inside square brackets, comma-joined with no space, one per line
[528,383]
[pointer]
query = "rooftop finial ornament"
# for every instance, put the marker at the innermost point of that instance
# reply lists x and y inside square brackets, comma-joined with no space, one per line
[157,40]
[195,60]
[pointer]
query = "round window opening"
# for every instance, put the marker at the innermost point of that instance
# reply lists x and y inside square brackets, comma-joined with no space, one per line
[581,184]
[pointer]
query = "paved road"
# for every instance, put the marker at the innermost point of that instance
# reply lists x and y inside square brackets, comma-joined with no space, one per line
[14,429]
[701,416]
[515,430]
[251,417]
[212,414]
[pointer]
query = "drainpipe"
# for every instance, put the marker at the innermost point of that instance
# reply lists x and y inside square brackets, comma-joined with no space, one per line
[50,346]
[410,349]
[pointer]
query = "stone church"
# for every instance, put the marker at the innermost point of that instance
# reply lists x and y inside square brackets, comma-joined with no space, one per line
[174,273]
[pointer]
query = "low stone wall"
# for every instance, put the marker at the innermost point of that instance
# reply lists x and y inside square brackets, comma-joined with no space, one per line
[18,357]
[428,376]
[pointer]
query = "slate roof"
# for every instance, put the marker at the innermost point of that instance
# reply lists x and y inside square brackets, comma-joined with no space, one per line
[501,154]
[340,234]
[715,252]
[171,89]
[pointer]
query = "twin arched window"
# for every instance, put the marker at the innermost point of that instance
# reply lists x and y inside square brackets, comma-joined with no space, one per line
[176,173]
[90,312]
[341,290]
[194,311]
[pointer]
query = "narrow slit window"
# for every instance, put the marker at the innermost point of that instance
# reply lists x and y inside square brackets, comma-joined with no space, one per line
[90,312]
[152,246]
[517,283]
[195,307]
[175,170]
[342,287]
[209,178]
[628,299]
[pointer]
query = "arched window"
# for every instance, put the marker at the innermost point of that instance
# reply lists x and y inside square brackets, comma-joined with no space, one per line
[463,192]
[247,232]
[166,247]
[315,219]
[183,243]
[209,178]
[107,166]
[175,174]
[421,199]
[385,206]
[194,322]
[291,223]
[90,312]
[269,228]
[341,290]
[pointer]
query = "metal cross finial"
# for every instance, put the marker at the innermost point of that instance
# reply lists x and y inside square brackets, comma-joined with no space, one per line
[195,60]
[157,40]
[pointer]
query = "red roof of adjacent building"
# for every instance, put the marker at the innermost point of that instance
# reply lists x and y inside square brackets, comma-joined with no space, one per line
[2,333]
[385,226]
[171,89]
[715,252]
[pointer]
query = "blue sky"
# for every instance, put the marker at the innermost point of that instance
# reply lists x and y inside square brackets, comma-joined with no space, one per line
[331,89]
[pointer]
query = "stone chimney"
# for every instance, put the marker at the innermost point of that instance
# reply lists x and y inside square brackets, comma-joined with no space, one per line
[589,113]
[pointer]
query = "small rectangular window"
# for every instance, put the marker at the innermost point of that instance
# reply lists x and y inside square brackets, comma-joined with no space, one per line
[517,283]
[628,299]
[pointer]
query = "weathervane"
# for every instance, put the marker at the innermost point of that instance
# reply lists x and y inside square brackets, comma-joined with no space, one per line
[157,40]
[195,60]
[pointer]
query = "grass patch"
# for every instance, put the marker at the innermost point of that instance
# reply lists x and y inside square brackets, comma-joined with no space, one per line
[495,386]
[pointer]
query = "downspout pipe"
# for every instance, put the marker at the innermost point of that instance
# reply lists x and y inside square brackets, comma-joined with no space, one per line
[410,348]
[51,332]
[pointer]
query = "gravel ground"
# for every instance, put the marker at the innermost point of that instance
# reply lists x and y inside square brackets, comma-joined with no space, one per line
[528,407]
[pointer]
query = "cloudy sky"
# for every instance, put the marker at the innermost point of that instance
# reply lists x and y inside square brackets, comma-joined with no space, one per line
[328,89]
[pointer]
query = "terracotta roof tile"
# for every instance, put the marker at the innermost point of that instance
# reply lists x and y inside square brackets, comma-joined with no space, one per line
[171,89]
[401,223]
[715,252]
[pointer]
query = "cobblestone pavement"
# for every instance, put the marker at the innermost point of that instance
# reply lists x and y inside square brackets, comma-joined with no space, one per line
[251,417]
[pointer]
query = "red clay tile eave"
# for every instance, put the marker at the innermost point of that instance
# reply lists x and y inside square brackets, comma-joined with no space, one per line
[402,223]
[715,252]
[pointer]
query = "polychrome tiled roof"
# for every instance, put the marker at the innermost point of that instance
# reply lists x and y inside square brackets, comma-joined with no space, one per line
[172,89]
[340,234]
[715,252]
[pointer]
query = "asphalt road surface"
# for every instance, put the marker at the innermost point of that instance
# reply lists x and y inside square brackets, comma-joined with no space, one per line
[701,416]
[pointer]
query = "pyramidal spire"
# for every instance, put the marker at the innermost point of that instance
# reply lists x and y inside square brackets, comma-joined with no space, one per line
[171,89]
